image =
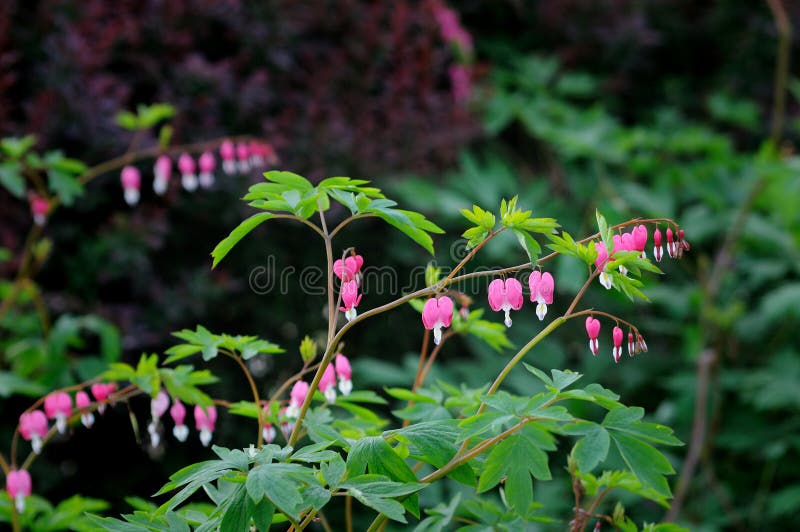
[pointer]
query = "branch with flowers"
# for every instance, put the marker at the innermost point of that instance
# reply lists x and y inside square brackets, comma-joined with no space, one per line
[488,439]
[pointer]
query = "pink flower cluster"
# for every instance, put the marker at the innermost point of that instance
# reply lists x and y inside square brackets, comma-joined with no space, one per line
[349,272]
[339,370]
[205,418]
[593,330]
[241,157]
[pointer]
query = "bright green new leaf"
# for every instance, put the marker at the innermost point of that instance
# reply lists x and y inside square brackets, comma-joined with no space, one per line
[237,234]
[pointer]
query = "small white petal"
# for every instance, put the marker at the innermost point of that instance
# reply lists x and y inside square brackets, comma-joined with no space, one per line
[330,394]
[61,423]
[229,167]
[189,182]
[508,317]
[131,196]
[19,502]
[205,437]
[541,311]
[345,386]
[605,280]
[206,179]
[437,335]
[181,432]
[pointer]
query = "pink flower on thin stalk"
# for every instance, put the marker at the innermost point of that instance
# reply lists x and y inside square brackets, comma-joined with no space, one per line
[206,163]
[343,372]
[327,385]
[162,171]
[205,418]
[542,287]
[39,208]
[228,153]
[18,486]
[82,402]
[187,168]
[158,407]
[131,181]
[33,428]
[58,406]
[616,335]
[350,299]
[505,295]
[178,414]
[437,314]
[593,330]
[296,399]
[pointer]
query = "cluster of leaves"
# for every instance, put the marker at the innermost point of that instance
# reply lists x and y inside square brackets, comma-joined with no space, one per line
[18,159]
[513,439]
[291,195]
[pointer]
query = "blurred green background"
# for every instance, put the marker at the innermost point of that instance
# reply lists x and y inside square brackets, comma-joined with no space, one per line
[639,109]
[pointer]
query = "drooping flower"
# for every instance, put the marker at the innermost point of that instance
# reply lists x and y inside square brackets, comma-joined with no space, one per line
[641,344]
[187,168]
[82,402]
[542,287]
[344,372]
[228,154]
[178,413]
[206,163]
[58,406]
[256,154]
[593,330]
[33,428]
[349,269]
[505,295]
[101,392]
[296,399]
[162,171]
[683,245]
[39,208]
[158,407]
[631,344]
[616,335]
[672,246]
[658,250]
[601,261]
[287,423]
[327,384]
[640,239]
[18,486]
[131,181]
[205,418]
[268,432]
[350,299]
[243,154]
[437,314]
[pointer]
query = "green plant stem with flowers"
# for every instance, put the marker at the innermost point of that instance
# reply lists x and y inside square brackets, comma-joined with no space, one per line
[489,423]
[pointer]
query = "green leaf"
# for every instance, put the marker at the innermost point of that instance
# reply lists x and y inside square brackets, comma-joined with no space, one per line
[261,512]
[236,518]
[529,245]
[516,458]
[291,180]
[150,115]
[627,420]
[377,492]
[275,482]
[237,234]
[563,379]
[645,462]
[592,449]
[64,185]
[11,178]
[127,120]
[15,147]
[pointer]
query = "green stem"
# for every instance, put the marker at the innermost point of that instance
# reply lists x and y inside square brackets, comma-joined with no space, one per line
[254,390]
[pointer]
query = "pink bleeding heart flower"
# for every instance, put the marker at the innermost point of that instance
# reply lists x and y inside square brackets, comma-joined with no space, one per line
[683,245]
[672,246]
[327,385]
[296,399]
[350,299]
[593,330]
[631,344]
[243,154]
[206,163]
[178,413]
[344,372]
[640,239]
[205,418]
[33,428]
[187,169]
[542,287]
[256,154]
[162,171]
[228,154]
[505,295]
[287,423]
[658,250]
[18,486]
[131,181]
[39,208]
[601,261]
[58,406]
[270,156]
[616,335]
[268,432]
[82,403]
[437,314]
[101,392]
[158,407]
[349,269]
[641,344]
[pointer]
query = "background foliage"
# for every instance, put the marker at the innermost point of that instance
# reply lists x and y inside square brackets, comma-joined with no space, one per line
[639,109]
